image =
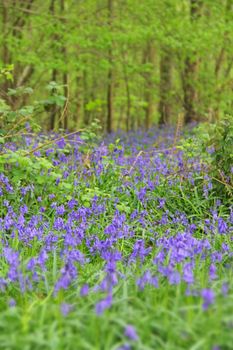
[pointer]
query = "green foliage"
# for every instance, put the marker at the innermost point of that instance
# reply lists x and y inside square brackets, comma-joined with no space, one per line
[56,97]
[214,144]
[221,139]
[96,105]
[13,120]
[221,142]
[76,40]
[92,133]
[7,72]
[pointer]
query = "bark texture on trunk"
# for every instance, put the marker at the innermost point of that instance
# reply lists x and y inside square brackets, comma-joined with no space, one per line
[53,108]
[149,93]
[110,74]
[65,74]
[190,73]
[165,108]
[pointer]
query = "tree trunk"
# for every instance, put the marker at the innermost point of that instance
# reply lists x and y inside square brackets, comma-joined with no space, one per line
[86,113]
[221,58]
[18,25]
[53,108]
[65,74]
[190,72]
[5,52]
[149,57]
[79,100]
[110,74]
[127,91]
[110,102]
[165,86]
[190,92]
[65,112]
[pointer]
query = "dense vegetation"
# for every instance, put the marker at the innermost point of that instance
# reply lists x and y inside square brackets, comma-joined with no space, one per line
[113,243]
[128,63]
[116,163]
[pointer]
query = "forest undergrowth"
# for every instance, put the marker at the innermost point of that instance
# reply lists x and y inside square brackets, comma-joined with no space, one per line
[119,242]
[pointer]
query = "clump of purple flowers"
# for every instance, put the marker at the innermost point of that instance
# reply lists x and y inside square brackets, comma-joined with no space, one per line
[121,214]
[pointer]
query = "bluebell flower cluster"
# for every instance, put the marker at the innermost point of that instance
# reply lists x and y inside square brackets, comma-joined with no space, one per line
[121,214]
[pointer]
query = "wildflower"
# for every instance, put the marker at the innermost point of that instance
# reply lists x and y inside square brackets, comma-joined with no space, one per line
[162,202]
[125,347]
[103,304]
[60,210]
[12,302]
[131,333]
[212,272]
[174,277]
[141,194]
[225,289]
[222,226]
[61,143]
[66,308]
[208,298]
[188,273]
[84,290]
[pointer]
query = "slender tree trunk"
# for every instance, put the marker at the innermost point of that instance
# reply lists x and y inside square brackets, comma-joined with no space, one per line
[190,72]
[221,58]
[5,52]
[53,109]
[18,25]
[17,22]
[226,42]
[110,101]
[79,100]
[65,83]
[149,57]
[127,90]
[128,109]
[86,113]
[110,74]
[121,118]
[65,74]
[190,92]
[165,108]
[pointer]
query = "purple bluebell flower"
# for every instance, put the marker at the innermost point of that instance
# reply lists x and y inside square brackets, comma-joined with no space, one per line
[222,226]
[84,290]
[130,332]
[12,302]
[188,273]
[225,289]
[212,272]
[208,297]
[174,277]
[66,308]
[103,304]
[125,347]
[61,143]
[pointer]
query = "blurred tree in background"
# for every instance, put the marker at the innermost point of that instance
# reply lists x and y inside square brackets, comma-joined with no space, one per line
[127,63]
